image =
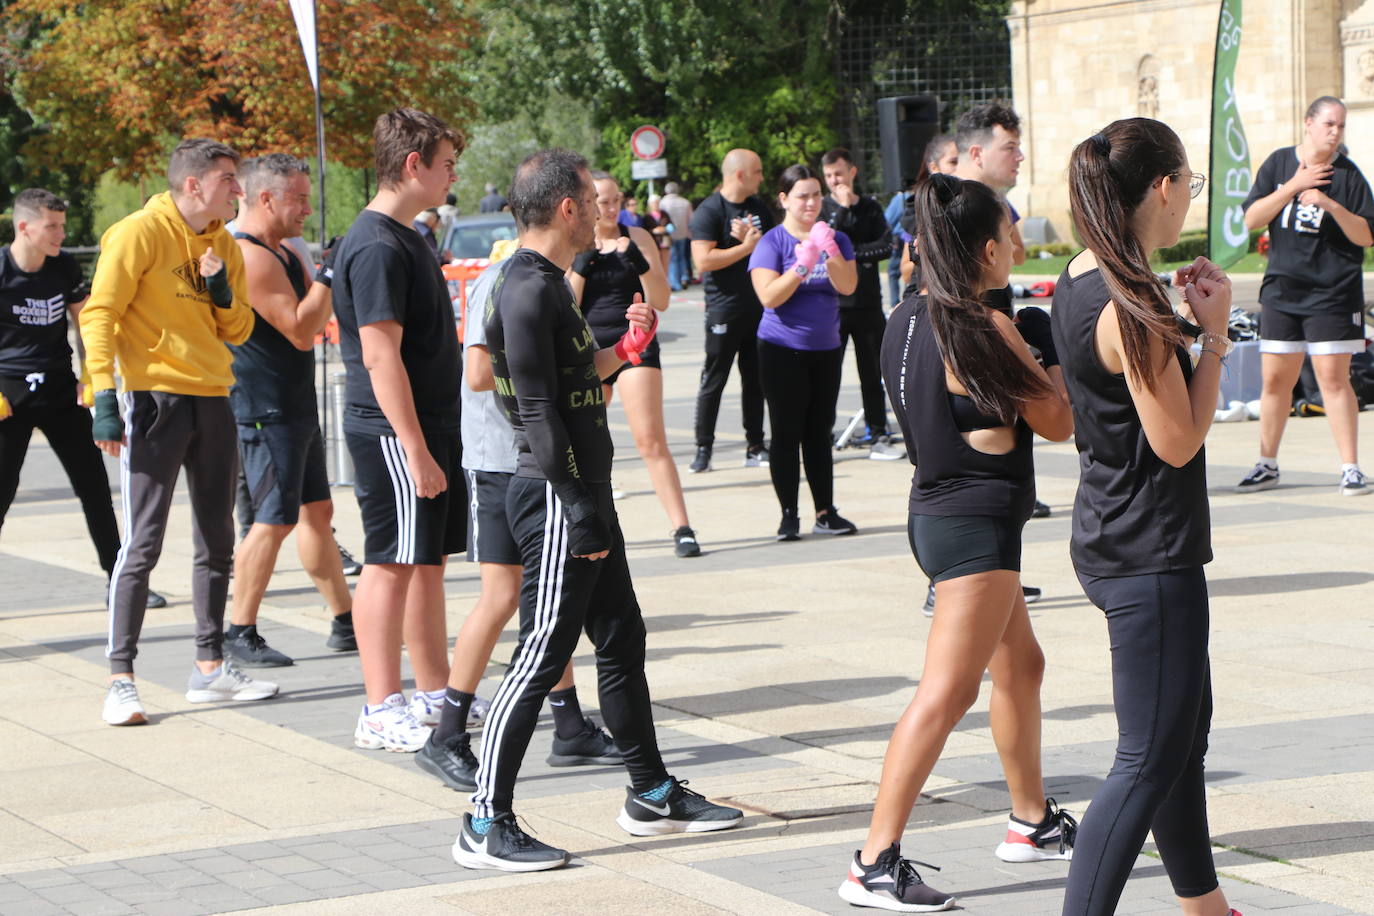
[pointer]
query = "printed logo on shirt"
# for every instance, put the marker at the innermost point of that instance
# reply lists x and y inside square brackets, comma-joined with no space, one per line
[1305,218]
[190,275]
[720,328]
[41,312]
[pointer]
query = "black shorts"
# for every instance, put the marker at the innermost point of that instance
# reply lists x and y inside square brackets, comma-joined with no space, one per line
[491,539]
[284,467]
[648,359]
[950,546]
[1319,335]
[399,527]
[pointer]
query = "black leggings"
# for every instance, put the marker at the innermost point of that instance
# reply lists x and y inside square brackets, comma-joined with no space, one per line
[68,431]
[1162,689]
[801,387]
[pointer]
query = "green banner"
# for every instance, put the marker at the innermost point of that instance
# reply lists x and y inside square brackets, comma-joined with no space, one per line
[1229,176]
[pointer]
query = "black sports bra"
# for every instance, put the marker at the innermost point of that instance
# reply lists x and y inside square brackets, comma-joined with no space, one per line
[967,417]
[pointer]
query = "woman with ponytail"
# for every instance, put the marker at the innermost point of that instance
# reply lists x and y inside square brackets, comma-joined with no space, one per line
[968,393]
[1141,531]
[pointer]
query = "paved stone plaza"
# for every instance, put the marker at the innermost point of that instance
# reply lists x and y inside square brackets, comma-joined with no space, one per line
[777,671]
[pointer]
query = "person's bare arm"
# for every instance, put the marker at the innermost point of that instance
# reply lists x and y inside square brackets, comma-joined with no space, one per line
[274,299]
[773,288]
[1355,227]
[477,368]
[843,274]
[1018,247]
[1050,414]
[709,256]
[1262,212]
[381,346]
[654,281]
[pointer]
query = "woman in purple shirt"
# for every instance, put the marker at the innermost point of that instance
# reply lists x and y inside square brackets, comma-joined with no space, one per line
[799,269]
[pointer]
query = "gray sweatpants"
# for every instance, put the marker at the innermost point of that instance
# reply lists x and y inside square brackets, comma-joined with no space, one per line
[166,432]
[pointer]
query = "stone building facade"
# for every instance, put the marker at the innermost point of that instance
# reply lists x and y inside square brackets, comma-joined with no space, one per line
[1078,65]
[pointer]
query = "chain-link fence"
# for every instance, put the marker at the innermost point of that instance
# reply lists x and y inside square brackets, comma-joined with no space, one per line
[961,62]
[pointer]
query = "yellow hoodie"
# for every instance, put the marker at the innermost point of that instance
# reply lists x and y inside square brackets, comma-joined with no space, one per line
[149,306]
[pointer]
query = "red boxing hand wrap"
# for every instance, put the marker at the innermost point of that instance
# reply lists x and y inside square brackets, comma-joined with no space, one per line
[634,342]
[823,237]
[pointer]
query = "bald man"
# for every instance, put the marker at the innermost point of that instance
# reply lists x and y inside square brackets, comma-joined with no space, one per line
[725,229]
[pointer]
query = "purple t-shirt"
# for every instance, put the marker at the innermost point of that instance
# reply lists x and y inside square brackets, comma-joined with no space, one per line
[810,320]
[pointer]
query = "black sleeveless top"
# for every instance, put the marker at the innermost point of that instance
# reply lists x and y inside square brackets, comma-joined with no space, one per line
[273,381]
[952,477]
[1134,513]
[610,287]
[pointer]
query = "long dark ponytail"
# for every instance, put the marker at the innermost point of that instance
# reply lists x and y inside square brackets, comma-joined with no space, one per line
[954,220]
[1109,174]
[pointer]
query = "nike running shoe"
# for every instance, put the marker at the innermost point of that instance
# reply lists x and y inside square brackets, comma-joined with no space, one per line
[589,747]
[756,456]
[341,635]
[1052,838]
[884,449]
[425,709]
[679,811]
[831,522]
[1263,477]
[226,682]
[391,727]
[702,462]
[1353,483]
[685,543]
[504,846]
[250,650]
[121,704]
[789,529]
[892,883]
[451,761]
[1030,593]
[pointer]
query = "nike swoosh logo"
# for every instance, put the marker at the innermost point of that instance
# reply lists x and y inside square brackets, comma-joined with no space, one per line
[663,812]
[559,703]
[481,847]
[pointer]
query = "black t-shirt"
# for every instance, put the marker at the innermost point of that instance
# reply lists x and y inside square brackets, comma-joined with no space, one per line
[867,229]
[729,292]
[33,315]
[273,381]
[384,271]
[544,359]
[951,477]
[611,283]
[1135,513]
[1313,268]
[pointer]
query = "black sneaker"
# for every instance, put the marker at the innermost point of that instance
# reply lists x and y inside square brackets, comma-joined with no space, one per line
[789,529]
[452,761]
[685,542]
[1263,477]
[892,883]
[351,567]
[341,636]
[756,456]
[1052,838]
[504,846]
[682,811]
[702,462]
[155,600]
[250,650]
[831,522]
[1353,483]
[1040,511]
[1030,593]
[589,747]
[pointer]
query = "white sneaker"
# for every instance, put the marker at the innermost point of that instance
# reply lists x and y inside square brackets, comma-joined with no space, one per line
[227,683]
[477,712]
[425,710]
[392,727]
[1353,483]
[121,704]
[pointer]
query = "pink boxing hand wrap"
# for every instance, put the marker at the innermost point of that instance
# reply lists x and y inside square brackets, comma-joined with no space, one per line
[634,342]
[823,237]
[807,254]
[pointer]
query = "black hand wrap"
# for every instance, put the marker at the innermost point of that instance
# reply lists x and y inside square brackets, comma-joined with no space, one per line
[325,275]
[635,258]
[587,533]
[585,262]
[218,285]
[1034,324]
[107,426]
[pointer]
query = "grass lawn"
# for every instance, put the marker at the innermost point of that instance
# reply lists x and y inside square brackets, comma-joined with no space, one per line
[1252,263]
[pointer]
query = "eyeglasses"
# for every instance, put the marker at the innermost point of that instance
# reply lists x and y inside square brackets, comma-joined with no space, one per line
[1196,182]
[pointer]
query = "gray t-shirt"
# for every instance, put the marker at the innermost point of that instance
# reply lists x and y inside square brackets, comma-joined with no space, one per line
[488,440]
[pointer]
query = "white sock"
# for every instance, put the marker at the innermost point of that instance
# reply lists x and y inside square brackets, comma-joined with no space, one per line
[1349,467]
[1271,463]
[434,696]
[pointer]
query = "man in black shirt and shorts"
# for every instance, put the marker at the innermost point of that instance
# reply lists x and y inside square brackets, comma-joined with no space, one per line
[1320,215]
[274,403]
[400,348]
[548,374]
[725,229]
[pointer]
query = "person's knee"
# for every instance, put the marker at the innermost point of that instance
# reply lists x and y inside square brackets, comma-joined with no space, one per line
[1333,379]
[947,702]
[318,516]
[652,446]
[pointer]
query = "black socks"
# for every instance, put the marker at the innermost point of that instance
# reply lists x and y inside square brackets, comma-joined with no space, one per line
[567,713]
[454,718]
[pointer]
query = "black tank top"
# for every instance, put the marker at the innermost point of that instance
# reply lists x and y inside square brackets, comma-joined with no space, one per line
[273,381]
[952,477]
[1134,513]
[611,284]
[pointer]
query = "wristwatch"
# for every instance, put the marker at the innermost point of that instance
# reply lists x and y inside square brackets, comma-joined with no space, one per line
[801,271]
[1221,344]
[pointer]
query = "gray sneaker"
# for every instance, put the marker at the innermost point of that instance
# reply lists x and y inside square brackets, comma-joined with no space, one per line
[226,682]
[884,449]
[1353,483]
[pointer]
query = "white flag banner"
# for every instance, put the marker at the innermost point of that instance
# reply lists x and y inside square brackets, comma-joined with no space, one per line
[304,12]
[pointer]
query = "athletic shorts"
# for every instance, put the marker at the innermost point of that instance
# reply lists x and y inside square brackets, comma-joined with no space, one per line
[950,546]
[648,359]
[398,526]
[490,540]
[1318,335]
[284,467]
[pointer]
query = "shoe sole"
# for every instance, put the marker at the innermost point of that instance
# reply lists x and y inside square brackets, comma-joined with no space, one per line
[1024,852]
[755,464]
[350,646]
[819,530]
[687,554]
[1362,491]
[137,718]
[789,537]
[378,744]
[1256,487]
[219,696]
[251,663]
[665,826]
[433,769]
[698,470]
[855,894]
[873,457]
[581,760]
[479,860]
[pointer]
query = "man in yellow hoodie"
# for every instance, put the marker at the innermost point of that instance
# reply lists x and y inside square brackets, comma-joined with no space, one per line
[169,292]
